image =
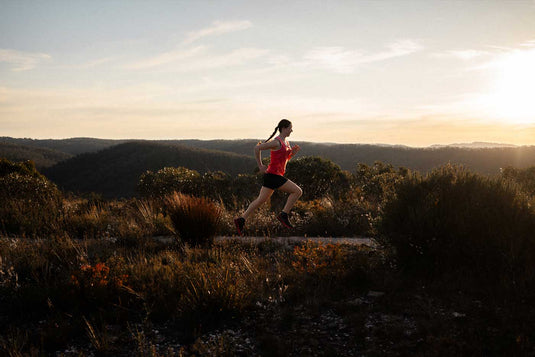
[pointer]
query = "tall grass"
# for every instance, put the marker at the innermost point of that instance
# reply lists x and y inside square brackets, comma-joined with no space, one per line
[84,286]
[195,220]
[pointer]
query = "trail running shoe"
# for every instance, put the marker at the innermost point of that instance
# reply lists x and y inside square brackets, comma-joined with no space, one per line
[283,218]
[239,222]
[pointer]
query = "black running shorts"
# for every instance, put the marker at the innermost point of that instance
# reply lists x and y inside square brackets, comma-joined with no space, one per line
[274,181]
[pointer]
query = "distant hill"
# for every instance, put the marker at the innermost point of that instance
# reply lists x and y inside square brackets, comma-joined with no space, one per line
[114,172]
[475,145]
[73,146]
[485,160]
[112,167]
[42,157]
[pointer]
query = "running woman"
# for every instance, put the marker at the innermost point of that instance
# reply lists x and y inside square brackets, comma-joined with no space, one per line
[274,178]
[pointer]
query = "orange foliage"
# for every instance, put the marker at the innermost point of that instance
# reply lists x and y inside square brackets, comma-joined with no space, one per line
[314,257]
[90,276]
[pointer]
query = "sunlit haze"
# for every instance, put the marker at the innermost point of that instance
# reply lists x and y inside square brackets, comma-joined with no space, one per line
[415,73]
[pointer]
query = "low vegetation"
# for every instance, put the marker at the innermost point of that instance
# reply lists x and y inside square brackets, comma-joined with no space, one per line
[456,224]
[453,274]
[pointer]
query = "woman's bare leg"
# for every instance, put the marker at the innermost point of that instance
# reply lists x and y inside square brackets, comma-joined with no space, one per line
[294,191]
[263,196]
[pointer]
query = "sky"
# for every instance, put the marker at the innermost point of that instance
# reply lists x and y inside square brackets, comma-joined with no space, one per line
[403,72]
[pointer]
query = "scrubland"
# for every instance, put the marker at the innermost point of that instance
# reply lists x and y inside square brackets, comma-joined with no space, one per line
[453,273]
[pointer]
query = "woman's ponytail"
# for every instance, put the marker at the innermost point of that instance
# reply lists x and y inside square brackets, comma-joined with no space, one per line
[272,135]
[284,123]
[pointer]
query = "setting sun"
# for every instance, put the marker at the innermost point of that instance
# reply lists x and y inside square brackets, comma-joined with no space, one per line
[513,97]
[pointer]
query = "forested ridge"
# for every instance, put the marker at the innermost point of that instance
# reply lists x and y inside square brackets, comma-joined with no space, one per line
[115,171]
[112,167]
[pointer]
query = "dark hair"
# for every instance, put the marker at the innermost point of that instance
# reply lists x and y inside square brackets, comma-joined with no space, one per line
[284,123]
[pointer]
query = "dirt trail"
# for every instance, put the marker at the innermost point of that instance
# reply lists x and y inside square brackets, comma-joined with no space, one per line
[288,240]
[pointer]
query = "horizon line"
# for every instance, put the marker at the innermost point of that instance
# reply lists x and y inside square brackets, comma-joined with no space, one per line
[436,145]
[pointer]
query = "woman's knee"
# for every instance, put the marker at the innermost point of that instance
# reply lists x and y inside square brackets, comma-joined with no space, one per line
[298,191]
[262,199]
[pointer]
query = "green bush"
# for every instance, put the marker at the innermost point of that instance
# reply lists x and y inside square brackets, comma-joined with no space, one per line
[195,219]
[167,181]
[456,223]
[333,218]
[525,178]
[217,185]
[378,182]
[30,205]
[318,177]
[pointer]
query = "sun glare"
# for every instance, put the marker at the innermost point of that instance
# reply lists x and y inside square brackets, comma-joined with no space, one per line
[513,96]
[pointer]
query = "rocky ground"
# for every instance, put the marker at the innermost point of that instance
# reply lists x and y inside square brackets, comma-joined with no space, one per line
[373,324]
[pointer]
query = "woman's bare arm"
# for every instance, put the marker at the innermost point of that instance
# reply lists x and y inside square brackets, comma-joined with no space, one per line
[270,145]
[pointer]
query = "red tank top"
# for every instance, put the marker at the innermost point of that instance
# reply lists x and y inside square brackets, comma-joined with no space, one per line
[279,158]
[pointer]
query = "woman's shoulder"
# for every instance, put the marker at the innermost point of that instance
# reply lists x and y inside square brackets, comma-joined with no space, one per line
[271,144]
[279,142]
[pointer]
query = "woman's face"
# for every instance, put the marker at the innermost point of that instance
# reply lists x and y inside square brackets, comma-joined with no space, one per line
[287,131]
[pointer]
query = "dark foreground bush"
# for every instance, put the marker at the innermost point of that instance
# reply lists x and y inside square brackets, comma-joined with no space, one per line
[30,205]
[195,220]
[456,223]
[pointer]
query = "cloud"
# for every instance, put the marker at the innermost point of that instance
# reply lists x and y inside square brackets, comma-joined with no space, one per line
[95,63]
[507,55]
[197,59]
[396,49]
[529,43]
[465,55]
[166,58]
[342,60]
[22,61]
[217,28]
[489,59]
[234,58]
[508,93]
[336,59]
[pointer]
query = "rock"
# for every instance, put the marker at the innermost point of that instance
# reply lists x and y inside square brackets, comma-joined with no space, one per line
[375,293]
[356,302]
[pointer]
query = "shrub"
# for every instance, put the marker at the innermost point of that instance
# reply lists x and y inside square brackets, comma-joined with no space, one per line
[458,223]
[195,220]
[318,177]
[214,292]
[333,218]
[216,186]
[525,178]
[149,215]
[263,223]
[168,180]
[32,272]
[98,283]
[319,271]
[245,188]
[87,220]
[378,182]
[29,203]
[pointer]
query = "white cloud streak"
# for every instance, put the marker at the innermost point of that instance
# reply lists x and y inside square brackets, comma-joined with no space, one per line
[237,57]
[465,55]
[95,63]
[22,61]
[341,60]
[217,28]
[197,59]
[166,58]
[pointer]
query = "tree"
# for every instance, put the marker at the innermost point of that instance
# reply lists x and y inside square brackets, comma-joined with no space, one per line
[378,182]
[318,177]
[167,180]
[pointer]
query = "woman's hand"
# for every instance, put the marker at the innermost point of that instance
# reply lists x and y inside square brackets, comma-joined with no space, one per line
[295,149]
[262,168]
